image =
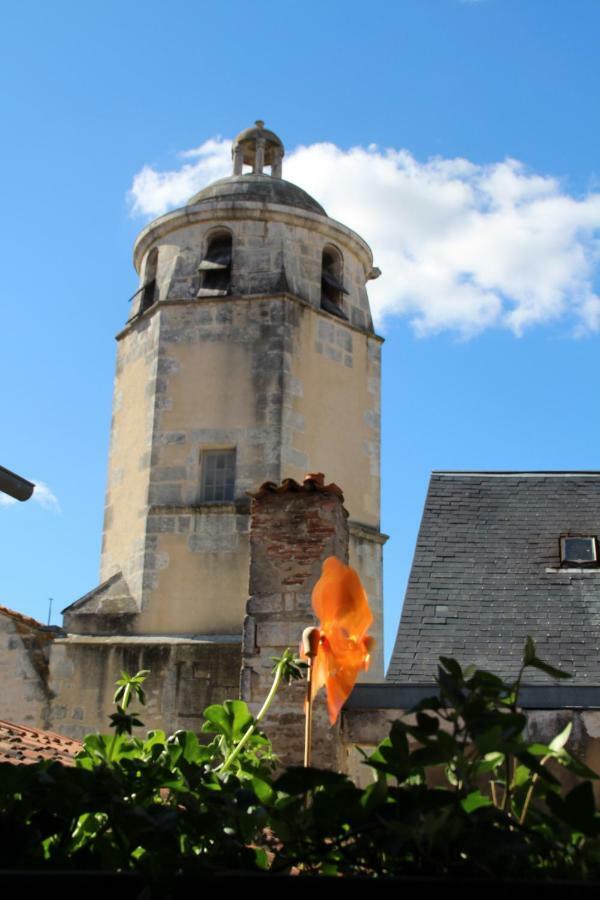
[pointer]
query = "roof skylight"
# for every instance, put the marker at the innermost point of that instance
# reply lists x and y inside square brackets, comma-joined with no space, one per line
[578,550]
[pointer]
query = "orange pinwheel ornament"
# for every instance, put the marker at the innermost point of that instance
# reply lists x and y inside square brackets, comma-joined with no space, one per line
[342,608]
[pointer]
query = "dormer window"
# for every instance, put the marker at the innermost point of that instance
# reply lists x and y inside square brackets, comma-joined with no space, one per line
[215,268]
[332,286]
[579,551]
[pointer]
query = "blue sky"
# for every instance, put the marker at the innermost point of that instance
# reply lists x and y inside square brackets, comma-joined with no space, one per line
[460,139]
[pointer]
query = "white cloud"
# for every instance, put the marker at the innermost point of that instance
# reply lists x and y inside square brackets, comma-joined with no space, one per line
[41,494]
[44,496]
[153,193]
[462,246]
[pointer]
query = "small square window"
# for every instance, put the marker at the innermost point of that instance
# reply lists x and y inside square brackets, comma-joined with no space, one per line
[578,550]
[218,475]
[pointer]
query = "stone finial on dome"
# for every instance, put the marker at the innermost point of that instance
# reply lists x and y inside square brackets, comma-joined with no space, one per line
[257,147]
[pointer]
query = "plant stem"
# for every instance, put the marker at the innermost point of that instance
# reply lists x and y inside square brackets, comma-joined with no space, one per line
[508,759]
[529,796]
[111,746]
[494,793]
[263,711]
[507,780]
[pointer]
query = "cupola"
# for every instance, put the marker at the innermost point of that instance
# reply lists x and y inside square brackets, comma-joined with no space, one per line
[257,147]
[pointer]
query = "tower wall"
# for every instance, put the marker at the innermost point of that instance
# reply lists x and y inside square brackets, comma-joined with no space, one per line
[124,534]
[292,389]
[219,387]
[275,249]
[249,355]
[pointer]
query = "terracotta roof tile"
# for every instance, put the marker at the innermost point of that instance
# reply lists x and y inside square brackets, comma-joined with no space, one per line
[311,483]
[26,620]
[22,745]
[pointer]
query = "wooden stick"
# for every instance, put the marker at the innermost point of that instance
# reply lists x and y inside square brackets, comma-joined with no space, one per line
[310,646]
[308,715]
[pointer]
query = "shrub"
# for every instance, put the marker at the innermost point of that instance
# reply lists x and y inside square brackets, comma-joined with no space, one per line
[165,805]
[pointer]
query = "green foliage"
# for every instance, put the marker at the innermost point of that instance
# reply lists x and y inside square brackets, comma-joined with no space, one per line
[457,790]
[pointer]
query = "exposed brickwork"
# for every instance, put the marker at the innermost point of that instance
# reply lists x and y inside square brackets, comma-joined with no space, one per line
[291,532]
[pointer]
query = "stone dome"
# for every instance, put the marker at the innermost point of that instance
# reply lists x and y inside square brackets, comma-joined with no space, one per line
[258,131]
[257,189]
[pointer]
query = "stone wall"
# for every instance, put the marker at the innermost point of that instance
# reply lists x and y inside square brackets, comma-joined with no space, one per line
[274,249]
[185,677]
[24,651]
[365,728]
[292,389]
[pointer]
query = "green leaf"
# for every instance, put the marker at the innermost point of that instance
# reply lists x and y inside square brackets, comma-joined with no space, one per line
[538,749]
[488,741]
[561,739]
[261,858]
[190,745]
[374,795]
[230,719]
[452,666]
[241,717]
[486,683]
[489,763]
[427,724]
[432,755]
[96,744]
[531,763]
[262,789]
[217,720]
[577,766]
[292,668]
[298,780]
[451,776]
[124,722]
[577,808]
[398,739]
[529,651]
[475,800]
[521,776]
[536,663]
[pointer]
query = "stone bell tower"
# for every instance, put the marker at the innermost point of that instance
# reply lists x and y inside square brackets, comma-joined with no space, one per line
[249,356]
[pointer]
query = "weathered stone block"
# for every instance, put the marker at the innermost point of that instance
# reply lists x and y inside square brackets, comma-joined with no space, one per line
[266,603]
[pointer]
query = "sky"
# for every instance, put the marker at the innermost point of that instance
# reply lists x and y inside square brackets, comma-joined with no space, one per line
[460,139]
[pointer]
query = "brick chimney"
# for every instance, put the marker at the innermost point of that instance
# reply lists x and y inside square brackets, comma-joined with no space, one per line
[293,528]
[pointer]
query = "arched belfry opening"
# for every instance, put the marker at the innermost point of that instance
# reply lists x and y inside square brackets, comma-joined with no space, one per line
[149,289]
[258,148]
[332,284]
[215,268]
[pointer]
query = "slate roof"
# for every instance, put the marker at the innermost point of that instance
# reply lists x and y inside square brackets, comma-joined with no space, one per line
[486,573]
[22,745]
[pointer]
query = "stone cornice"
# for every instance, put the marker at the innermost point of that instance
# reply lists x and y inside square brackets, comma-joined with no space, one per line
[245,298]
[367,532]
[229,211]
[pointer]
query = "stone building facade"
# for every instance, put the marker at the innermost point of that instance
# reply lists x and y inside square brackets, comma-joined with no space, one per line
[250,345]
[249,357]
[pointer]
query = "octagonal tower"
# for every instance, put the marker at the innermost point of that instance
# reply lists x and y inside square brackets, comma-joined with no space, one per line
[249,356]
